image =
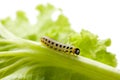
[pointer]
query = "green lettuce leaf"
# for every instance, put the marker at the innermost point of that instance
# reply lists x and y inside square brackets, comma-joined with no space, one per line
[22,57]
[60,30]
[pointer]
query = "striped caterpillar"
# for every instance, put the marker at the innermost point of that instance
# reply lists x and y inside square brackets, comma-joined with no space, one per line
[59,46]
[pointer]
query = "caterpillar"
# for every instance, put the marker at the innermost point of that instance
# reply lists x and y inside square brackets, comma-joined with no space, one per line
[59,46]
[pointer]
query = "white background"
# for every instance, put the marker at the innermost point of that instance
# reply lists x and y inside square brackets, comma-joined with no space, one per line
[101,17]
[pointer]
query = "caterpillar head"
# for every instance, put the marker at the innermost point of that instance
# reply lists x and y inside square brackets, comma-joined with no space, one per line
[77,51]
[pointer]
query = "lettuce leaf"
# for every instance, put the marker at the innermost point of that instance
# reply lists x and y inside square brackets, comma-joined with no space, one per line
[60,30]
[22,57]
